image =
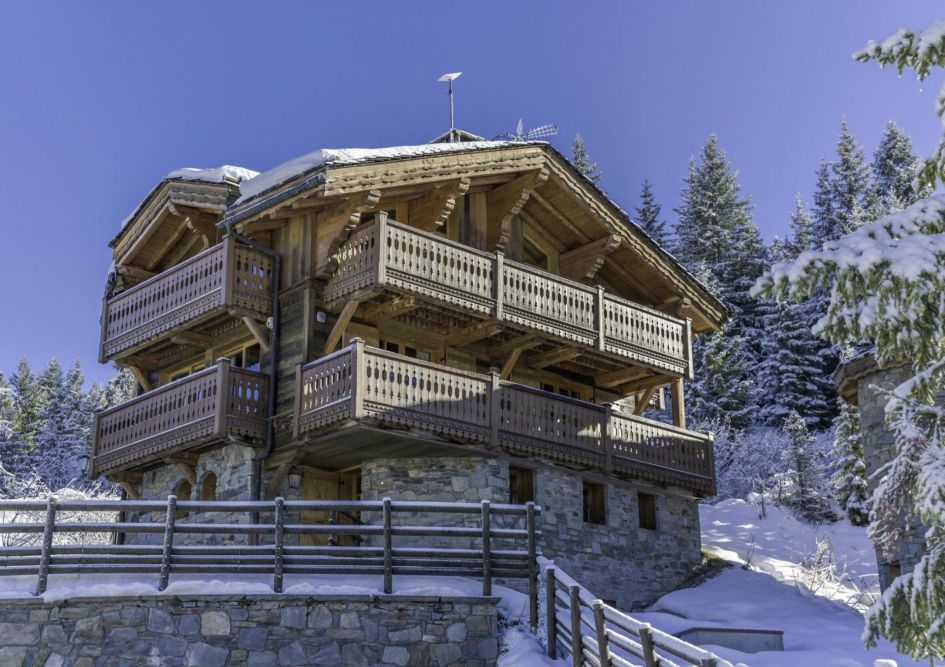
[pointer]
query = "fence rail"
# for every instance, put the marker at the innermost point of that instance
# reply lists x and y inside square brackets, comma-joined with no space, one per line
[267,552]
[360,382]
[594,633]
[388,254]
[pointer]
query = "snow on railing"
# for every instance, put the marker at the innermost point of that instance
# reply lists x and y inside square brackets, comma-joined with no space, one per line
[239,545]
[595,633]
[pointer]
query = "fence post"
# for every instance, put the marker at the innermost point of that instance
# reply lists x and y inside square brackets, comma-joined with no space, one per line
[577,646]
[551,612]
[46,553]
[709,662]
[600,625]
[169,520]
[532,566]
[278,543]
[486,549]
[388,555]
[646,643]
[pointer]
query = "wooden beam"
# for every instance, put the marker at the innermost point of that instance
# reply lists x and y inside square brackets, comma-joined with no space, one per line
[620,376]
[169,243]
[505,201]
[278,476]
[431,211]
[504,349]
[347,216]
[135,273]
[337,331]
[624,274]
[388,310]
[509,363]
[643,400]
[556,214]
[552,357]
[188,472]
[258,331]
[584,262]
[678,390]
[204,228]
[130,490]
[635,386]
[141,378]
[473,333]
[192,338]
[184,247]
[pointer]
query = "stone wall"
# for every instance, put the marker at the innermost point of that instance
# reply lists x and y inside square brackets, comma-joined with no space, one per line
[257,631]
[618,560]
[878,449]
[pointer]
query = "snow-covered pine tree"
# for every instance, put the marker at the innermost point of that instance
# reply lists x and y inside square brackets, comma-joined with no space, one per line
[27,401]
[849,480]
[822,224]
[850,185]
[809,497]
[723,391]
[582,160]
[801,230]
[894,169]
[648,216]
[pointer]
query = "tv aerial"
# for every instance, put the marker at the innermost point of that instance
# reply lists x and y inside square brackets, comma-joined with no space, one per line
[538,132]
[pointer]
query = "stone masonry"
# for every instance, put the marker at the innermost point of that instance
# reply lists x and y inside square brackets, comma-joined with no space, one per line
[617,560]
[879,449]
[255,631]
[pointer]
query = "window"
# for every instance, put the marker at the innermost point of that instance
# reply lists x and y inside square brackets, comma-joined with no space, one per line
[521,485]
[404,349]
[182,492]
[594,503]
[646,503]
[208,488]
[561,390]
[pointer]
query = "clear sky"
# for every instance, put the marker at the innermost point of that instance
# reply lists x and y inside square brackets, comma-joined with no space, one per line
[99,100]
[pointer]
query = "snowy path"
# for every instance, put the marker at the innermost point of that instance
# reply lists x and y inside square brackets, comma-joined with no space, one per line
[818,630]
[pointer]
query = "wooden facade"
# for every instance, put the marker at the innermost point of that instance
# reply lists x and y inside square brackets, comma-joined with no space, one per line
[478,297]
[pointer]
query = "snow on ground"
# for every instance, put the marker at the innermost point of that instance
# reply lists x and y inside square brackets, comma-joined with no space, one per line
[819,629]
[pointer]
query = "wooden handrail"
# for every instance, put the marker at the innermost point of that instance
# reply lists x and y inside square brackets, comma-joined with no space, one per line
[606,633]
[278,558]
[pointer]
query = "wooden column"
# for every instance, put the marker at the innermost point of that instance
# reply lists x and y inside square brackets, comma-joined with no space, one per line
[357,385]
[168,546]
[551,613]
[678,390]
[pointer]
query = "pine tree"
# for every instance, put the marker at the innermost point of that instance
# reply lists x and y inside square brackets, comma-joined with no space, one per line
[822,224]
[723,392]
[850,477]
[582,160]
[648,216]
[801,230]
[809,497]
[850,185]
[26,402]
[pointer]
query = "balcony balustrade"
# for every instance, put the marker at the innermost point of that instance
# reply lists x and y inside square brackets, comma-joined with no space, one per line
[226,279]
[389,255]
[220,403]
[365,384]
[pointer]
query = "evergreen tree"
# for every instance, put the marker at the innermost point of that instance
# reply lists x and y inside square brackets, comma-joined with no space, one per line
[808,496]
[648,216]
[26,402]
[850,477]
[894,169]
[850,185]
[582,160]
[801,230]
[723,392]
[821,227]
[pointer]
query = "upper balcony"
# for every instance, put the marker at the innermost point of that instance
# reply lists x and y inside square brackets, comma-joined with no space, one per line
[226,280]
[394,396]
[489,290]
[222,403]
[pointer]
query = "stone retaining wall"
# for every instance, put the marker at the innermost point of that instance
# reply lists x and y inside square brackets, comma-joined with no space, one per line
[257,631]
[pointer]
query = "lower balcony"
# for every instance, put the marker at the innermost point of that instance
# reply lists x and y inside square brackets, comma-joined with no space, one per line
[216,405]
[384,394]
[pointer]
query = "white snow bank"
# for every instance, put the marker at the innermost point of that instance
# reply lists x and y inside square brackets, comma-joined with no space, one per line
[310,161]
[221,174]
[521,649]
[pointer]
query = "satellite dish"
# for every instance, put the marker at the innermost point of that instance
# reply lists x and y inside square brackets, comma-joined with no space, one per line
[449,78]
[452,76]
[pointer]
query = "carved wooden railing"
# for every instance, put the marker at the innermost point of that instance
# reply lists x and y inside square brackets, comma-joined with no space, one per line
[220,402]
[364,383]
[386,254]
[226,277]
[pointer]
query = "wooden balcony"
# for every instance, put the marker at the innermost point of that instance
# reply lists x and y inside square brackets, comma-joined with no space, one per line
[226,280]
[219,404]
[388,256]
[367,386]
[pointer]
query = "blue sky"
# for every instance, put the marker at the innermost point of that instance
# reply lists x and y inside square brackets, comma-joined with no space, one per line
[98,101]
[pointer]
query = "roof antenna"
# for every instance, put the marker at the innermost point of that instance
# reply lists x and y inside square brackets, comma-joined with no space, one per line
[449,78]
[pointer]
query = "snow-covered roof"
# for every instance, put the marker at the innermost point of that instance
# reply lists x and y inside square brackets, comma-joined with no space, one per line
[296,167]
[226,173]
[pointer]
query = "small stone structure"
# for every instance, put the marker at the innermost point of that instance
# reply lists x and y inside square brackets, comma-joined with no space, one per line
[617,560]
[256,631]
[861,381]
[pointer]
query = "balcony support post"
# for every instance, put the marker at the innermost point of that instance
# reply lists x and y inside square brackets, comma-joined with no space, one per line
[229,265]
[606,441]
[679,402]
[498,288]
[223,392]
[380,246]
[687,348]
[600,318]
[495,407]
[357,384]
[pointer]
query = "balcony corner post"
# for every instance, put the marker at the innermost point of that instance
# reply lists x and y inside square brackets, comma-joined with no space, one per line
[687,347]
[297,416]
[710,463]
[223,392]
[357,381]
[229,270]
[606,440]
[600,317]
[498,289]
[380,247]
[495,407]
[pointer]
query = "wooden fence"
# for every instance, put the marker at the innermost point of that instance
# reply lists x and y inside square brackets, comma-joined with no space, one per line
[595,633]
[267,551]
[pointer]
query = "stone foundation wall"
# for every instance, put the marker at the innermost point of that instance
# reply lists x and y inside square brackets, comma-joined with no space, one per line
[878,449]
[257,631]
[618,560]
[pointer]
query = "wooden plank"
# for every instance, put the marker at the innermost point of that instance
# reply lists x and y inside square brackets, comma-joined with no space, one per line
[192,338]
[621,376]
[644,400]
[552,357]
[474,333]
[259,333]
[337,331]
[388,310]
